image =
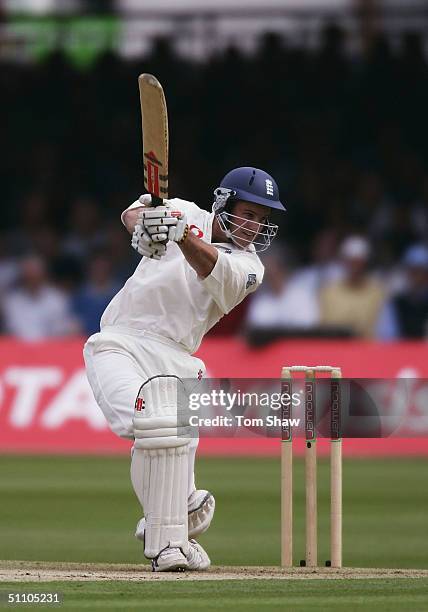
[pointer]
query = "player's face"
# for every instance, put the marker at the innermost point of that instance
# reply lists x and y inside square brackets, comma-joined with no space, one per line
[249,219]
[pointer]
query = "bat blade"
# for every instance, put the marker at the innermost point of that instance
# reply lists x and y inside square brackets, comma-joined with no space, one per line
[154,118]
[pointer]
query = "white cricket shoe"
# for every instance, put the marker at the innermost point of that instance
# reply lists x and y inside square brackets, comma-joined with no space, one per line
[201,506]
[197,558]
[170,560]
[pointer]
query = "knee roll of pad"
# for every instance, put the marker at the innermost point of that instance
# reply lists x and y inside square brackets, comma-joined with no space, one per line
[161,416]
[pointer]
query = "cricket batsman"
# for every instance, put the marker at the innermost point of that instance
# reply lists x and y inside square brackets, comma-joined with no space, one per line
[196,267]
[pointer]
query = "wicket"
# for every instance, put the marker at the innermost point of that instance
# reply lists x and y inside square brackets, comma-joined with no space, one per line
[311,559]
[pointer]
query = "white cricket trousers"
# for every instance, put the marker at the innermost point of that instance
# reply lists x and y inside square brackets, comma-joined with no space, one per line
[119,360]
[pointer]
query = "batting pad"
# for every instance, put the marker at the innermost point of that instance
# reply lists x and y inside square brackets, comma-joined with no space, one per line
[164,496]
[160,417]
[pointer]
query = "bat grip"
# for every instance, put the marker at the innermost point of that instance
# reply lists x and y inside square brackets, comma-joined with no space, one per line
[157,201]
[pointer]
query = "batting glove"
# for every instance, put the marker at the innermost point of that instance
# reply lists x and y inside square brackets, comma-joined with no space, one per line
[158,221]
[142,242]
[163,223]
[180,230]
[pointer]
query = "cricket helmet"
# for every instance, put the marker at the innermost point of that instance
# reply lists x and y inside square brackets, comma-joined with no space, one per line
[251,185]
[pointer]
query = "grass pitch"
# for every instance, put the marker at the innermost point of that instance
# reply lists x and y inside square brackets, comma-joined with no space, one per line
[83,510]
[240,595]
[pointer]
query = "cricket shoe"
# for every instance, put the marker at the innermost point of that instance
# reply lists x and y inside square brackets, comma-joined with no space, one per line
[200,508]
[170,560]
[197,558]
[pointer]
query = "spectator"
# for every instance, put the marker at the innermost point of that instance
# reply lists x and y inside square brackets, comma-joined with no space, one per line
[420,212]
[86,231]
[324,266]
[124,259]
[9,268]
[36,310]
[90,301]
[406,314]
[354,302]
[348,162]
[34,213]
[283,302]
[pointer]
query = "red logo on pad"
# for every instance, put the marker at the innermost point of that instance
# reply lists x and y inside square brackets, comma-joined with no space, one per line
[139,404]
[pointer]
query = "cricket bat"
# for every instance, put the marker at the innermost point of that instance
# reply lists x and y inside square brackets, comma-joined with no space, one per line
[154,118]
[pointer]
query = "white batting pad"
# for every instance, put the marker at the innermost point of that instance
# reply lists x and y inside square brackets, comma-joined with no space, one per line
[164,497]
[160,417]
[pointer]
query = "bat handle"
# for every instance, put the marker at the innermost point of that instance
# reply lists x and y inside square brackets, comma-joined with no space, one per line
[157,201]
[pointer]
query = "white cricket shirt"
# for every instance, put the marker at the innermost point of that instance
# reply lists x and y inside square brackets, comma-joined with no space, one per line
[166,296]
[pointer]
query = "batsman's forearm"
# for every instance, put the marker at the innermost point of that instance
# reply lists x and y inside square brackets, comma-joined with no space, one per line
[200,255]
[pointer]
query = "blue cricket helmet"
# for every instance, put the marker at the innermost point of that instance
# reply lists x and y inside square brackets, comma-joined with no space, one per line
[252,185]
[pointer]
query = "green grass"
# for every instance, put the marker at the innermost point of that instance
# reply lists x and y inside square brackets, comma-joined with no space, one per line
[83,509]
[240,595]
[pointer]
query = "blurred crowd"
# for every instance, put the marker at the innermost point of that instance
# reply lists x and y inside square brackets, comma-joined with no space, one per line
[345,137]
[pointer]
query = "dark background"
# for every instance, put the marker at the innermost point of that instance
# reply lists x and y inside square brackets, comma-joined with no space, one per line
[344,133]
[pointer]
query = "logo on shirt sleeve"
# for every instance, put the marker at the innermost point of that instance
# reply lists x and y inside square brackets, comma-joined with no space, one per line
[196,230]
[251,280]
